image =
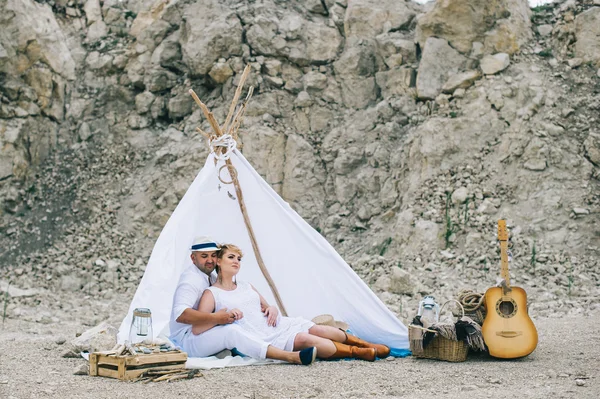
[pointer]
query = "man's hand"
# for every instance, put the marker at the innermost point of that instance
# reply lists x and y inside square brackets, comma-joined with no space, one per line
[271,314]
[237,314]
[224,316]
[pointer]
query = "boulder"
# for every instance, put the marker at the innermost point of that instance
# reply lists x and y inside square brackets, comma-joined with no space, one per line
[265,149]
[303,100]
[84,132]
[100,338]
[211,31]
[396,81]
[396,43]
[501,25]
[220,72]
[358,91]
[97,31]
[592,148]
[35,37]
[544,30]
[460,195]
[438,62]
[314,81]
[359,60]
[354,70]
[587,32]
[303,179]
[93,12]
[180,106]
[302,42]
[159,79]
[143,102]
[461,80]
[401,282]
[369,18]
[492,64]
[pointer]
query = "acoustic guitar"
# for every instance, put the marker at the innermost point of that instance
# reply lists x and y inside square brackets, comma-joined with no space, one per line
[507,329]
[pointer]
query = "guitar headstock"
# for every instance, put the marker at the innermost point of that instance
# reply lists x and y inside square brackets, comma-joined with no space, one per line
[502,232]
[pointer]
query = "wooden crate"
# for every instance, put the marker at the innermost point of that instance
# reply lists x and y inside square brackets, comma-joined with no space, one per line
[130,367]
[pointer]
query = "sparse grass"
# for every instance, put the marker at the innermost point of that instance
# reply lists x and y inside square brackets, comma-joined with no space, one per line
[533,259]
[541,8]
[384,246]
[5,304]
[451,227]
[466,212]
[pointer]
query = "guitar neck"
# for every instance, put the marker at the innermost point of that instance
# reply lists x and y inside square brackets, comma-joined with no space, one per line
[503,238]
[504,271]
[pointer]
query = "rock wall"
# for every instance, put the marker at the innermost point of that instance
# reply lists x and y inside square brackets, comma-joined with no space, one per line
[399,135]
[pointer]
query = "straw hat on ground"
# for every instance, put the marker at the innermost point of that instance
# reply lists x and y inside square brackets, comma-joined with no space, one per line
[328,320]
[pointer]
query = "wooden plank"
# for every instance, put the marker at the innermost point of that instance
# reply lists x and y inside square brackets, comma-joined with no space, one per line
[93,364]
[131,374]
[156,358]
[106,359]
[108,373]
[121,368]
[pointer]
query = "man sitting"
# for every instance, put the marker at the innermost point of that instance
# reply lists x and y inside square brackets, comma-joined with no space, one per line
[220,333]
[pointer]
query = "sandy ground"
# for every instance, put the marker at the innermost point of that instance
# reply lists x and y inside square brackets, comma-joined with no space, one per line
[565,365]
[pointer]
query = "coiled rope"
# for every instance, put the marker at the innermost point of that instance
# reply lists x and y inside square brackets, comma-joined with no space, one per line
[470,300]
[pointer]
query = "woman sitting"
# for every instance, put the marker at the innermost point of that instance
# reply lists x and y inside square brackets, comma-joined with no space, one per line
[254,315]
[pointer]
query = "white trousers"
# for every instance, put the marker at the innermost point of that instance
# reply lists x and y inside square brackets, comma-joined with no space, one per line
[223,337]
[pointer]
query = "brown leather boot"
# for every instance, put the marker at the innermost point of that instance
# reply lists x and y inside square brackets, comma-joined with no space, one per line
[382,350]
[346,351]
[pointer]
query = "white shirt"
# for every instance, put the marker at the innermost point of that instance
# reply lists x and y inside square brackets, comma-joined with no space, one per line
[192,284]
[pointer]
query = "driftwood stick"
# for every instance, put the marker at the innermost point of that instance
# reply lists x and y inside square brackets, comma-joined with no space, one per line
[203,133]
[209,115]
[235,125]
[257,255]
[130,348]
[119,350]
[167,376]
[163,372]
[236,96]
[188,375]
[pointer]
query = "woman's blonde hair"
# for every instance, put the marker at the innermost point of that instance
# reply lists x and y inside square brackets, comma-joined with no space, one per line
[228,247]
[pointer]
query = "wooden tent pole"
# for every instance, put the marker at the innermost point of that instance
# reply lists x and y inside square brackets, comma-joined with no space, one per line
[259,259]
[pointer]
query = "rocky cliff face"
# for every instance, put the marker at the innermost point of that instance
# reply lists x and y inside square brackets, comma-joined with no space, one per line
[401,132]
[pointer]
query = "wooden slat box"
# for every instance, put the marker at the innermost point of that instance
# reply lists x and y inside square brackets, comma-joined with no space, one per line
[130,367]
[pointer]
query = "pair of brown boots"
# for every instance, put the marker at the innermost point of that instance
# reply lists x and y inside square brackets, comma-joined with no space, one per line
[357,348]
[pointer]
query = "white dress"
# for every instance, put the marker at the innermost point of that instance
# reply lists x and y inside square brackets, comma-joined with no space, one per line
[254,321]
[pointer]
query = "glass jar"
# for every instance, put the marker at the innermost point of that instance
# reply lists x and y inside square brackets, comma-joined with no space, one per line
[141,326]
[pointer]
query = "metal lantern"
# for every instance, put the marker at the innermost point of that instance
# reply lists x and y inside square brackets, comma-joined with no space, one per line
[141,326]
[429,310]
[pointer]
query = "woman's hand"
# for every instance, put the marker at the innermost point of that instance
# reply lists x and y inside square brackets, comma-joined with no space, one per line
[271,314]
[237,314]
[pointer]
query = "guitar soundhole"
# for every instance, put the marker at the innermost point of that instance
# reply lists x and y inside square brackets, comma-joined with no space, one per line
[506,308]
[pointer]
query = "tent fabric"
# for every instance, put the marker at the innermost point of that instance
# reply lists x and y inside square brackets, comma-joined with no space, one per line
[311,277]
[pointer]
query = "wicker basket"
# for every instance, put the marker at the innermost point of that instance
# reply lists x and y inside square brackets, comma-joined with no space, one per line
[439,348]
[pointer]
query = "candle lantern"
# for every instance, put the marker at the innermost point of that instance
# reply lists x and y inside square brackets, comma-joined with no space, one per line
[141,326]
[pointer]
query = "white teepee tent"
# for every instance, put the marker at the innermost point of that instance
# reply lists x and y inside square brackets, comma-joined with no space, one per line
[308,274]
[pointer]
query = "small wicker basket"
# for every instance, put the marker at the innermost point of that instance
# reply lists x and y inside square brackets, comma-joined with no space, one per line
[439,348]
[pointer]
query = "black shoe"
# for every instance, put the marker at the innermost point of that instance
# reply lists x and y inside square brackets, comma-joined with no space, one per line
[308,355]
